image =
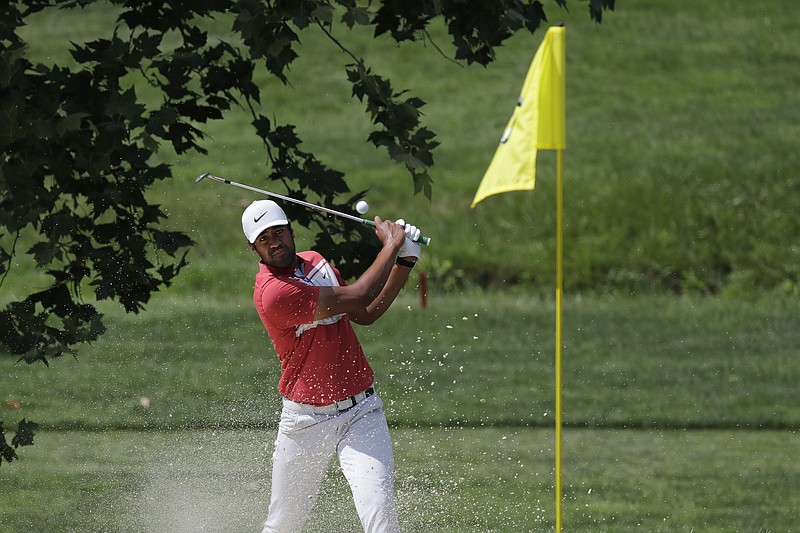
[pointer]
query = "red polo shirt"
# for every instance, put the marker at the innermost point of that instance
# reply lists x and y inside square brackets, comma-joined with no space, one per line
[321,361]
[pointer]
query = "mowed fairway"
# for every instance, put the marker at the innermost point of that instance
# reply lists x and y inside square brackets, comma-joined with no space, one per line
[673,421]
[490,479]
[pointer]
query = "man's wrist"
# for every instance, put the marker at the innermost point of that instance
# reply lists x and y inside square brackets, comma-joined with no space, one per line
[405,263]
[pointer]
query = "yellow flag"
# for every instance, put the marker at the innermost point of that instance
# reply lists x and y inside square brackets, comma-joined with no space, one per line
[538,121]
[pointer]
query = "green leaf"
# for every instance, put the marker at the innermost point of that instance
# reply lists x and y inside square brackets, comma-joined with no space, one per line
[356,16]
[6,451]
[171,241]
[44,253]
[323,13]
[410,161]
[25,433]
[70,123]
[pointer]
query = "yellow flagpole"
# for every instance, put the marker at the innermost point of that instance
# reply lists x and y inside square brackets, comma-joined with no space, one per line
[538,122]
[559,287]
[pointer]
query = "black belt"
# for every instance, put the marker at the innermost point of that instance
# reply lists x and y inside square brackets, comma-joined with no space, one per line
[347,403]
[331,409]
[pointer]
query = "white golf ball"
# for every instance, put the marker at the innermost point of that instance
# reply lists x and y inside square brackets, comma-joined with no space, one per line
[362,207]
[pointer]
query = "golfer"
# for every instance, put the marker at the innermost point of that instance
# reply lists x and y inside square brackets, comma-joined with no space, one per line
[330,406]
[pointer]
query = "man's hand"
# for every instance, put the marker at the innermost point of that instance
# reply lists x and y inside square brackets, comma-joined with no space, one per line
[410,248]
[390,234]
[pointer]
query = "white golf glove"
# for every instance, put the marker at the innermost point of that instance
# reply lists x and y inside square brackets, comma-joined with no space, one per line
[410,248]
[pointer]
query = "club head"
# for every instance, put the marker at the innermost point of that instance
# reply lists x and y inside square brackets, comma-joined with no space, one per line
[201,176]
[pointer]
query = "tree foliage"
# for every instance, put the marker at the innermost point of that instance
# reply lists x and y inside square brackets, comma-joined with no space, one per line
[23,437]
[78,145]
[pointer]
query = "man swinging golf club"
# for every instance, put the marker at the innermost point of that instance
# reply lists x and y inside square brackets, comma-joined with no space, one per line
[329,404]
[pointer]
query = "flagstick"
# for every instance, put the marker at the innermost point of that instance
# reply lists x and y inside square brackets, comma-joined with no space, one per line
[559,286]
[542,103]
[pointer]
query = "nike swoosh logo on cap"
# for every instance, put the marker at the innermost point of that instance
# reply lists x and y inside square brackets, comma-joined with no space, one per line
[256,219]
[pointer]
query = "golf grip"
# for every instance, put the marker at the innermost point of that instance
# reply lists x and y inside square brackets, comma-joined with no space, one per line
[422,240]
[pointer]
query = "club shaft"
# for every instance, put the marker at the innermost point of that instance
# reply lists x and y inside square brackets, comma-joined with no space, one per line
[208,175]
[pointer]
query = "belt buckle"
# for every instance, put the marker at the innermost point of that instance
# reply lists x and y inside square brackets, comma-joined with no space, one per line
[344,405]
[352,401]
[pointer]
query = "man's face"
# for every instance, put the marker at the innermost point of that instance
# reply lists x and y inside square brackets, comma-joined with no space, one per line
[275,247]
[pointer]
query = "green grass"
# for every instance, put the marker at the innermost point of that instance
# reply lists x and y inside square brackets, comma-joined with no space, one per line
[681,412]
[648,361]
[681,122]
[678,167]
[448,480]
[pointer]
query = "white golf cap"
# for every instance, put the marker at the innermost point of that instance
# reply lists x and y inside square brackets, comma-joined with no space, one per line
[260,215]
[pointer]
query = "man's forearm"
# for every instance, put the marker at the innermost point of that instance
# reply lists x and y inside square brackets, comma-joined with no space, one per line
[397,279]
[375,279]
[354,299]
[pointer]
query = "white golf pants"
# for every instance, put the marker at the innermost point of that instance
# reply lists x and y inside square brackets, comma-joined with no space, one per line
[304,447]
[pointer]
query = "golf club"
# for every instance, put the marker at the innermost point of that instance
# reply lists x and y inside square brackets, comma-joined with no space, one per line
[422,240]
